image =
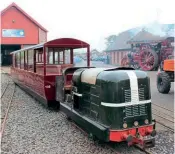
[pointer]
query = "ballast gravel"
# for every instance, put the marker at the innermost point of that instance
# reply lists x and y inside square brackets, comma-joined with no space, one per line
[31,128]
[8,86]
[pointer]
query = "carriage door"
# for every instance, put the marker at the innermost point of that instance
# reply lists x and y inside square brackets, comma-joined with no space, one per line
[59,88]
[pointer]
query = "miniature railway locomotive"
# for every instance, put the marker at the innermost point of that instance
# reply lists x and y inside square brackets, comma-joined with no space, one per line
[112,104]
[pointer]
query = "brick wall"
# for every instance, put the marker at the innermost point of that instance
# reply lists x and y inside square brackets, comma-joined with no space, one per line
[42,36]
[116,57]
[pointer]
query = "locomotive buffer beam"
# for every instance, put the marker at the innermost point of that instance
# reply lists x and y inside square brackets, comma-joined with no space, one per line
[141,142]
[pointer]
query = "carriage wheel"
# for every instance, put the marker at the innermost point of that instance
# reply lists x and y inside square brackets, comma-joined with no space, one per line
[148,60]
[124,61]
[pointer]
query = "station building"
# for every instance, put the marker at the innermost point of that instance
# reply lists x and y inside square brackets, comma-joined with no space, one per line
[18,30]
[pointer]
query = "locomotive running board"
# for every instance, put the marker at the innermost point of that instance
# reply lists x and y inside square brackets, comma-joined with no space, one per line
[85,123]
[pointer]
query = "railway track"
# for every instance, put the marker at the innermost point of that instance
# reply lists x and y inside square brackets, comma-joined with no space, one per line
[163,116]
[110,146]
[10,99]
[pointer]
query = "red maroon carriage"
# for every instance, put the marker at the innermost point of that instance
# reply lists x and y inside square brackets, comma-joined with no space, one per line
[35,68]
[148,51]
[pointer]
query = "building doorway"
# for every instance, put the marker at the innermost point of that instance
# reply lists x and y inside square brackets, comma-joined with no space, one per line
[6,58]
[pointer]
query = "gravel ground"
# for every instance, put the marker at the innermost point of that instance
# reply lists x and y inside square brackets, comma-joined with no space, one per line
[164,143]
[6,83]
[31,128]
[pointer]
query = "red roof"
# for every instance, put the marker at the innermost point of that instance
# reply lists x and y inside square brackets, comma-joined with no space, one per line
[22,11]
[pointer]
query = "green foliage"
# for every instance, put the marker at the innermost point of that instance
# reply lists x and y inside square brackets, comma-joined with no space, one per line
[110,39]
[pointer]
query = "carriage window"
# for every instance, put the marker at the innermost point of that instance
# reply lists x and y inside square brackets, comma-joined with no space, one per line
[39,56]
[61,57]
[22,59]
[56,57]
[39,67]
[17,56]
[26,60]
[67,57]
[50,56]
[36,56]
[15,60]
[30,60]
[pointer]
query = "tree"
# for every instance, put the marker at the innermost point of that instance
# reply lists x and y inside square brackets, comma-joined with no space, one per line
[110,39]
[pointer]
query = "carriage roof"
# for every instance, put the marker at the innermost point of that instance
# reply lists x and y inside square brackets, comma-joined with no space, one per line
[60,43]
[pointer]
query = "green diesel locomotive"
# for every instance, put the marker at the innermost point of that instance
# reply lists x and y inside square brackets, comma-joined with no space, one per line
[112,104]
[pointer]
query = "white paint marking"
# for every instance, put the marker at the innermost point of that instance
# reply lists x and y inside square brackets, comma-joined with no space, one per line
[125,104]
[77,94]
[133,86]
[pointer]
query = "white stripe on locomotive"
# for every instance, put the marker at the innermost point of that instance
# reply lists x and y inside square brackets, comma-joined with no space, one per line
[134,86]
[125,104]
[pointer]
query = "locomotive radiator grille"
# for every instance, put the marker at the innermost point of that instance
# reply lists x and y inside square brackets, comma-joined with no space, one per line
[142,109]
[135,110]
[128,111]
[141,94]
[127,95]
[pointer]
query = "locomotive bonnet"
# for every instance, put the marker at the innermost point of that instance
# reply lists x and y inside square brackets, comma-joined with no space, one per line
[117,98]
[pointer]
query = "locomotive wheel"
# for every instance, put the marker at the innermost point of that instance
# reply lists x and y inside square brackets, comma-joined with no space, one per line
[163,83]
[148,60]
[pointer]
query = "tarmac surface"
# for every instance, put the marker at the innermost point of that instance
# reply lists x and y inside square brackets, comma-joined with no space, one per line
[166,100]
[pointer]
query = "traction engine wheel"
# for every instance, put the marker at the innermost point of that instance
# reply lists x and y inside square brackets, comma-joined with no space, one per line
[148,60]
[124,61]
[163,83]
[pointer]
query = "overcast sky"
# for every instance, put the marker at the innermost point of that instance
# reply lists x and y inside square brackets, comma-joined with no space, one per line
[93,20]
